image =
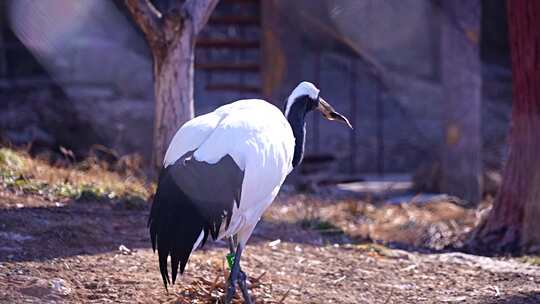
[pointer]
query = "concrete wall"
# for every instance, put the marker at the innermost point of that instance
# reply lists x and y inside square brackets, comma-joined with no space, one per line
[403,38]
[105,72]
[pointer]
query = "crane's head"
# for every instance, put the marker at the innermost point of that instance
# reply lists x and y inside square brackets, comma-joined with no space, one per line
[305,98]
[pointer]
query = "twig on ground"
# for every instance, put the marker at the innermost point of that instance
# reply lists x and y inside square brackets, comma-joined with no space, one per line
[389,296]
[284,296]
[339,280]
[225,272]
[256,282]
[214,285]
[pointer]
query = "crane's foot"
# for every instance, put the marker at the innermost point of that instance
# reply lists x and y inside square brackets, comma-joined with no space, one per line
[231,290]
[242,283]
[239,277]
[241,280]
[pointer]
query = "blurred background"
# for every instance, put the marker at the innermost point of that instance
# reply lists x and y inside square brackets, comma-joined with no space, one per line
[389,211]
[76,76]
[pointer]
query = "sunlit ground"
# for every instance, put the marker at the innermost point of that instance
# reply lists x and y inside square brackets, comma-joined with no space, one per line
[307,249]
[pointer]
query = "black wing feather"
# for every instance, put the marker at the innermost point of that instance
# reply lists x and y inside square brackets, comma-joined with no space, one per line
[191,197]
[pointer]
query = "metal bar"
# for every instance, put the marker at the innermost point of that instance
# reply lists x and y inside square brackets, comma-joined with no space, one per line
[3,57]
[242,1]
[229,67]
[208,74]
[228,43]
[317,76]
[353,108]
[234,20]
[207,55]
[240,56]
[233,87]
[380,130]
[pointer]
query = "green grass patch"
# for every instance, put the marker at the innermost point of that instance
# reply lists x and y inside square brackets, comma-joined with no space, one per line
[92,182]
[532,259]
[322,226]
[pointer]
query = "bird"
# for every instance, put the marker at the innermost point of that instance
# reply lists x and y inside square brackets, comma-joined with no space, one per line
[222,170]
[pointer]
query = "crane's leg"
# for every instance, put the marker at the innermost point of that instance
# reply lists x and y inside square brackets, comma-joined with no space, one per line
[236,276]
[232,244]
[243,287]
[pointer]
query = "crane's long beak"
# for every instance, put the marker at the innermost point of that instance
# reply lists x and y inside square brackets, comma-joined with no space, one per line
[329,113]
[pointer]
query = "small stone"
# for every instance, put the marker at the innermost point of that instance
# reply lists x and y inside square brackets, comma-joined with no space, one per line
[274,243]
[124,250]
[59,286]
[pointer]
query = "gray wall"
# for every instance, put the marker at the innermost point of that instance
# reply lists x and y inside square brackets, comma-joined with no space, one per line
[105,71]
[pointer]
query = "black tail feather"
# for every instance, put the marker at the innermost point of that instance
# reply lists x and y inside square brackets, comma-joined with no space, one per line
[175,261]
[153,237]
[174,226]
[192,197]
[163,253]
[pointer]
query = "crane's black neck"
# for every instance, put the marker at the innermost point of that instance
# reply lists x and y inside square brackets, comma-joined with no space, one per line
[297,119]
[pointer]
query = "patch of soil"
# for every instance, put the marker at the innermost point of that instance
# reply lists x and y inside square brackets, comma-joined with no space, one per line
[86,252]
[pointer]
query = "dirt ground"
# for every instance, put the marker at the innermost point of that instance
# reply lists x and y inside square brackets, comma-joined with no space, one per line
[90,252]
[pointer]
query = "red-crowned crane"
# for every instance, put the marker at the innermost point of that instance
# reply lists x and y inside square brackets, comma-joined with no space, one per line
[220,173]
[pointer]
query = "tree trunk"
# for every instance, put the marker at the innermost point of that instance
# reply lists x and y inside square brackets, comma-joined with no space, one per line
[461,78]
[171,36]
[173,85]
[512,224]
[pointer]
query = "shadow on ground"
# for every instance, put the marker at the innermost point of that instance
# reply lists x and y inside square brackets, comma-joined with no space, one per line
[40,233]
[86,228]
[71,253]
[533,297]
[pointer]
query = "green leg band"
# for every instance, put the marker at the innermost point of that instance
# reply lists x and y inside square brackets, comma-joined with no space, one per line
[230,260]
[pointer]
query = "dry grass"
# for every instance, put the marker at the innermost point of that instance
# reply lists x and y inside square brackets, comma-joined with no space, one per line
[87,180]
[430,225]
[307,249]
[433,225]
[532,260]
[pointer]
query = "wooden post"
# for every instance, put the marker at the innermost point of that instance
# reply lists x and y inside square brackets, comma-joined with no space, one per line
[3,60]
[317,118]
[379,108]
[461,80]
[280,42]
[353,71]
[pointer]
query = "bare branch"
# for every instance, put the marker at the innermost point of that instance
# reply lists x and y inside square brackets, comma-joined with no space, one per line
[199,12]
[147,17]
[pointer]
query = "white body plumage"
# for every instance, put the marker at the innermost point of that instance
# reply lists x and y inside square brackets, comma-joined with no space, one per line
[223,169]
[259,139]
